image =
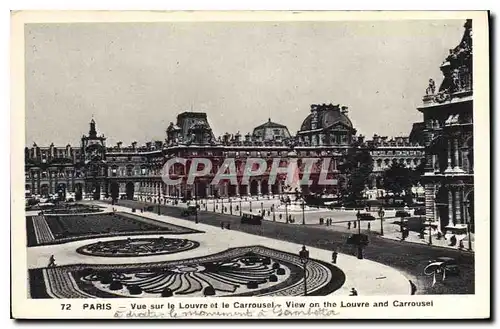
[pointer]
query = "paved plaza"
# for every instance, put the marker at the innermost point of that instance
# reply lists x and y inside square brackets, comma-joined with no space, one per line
[207,241]
[408,257]
[340,218]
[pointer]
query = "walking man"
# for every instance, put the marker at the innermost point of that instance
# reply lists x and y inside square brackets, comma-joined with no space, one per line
[349,225]
[52,261]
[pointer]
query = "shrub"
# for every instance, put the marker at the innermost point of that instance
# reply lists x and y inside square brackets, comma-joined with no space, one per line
[115,285]
[106,278]
[276,266]
[266,261]
[209,291]
[134,290]
[167,292]
[86,272]
[252,285]
[280,271]
[273,278]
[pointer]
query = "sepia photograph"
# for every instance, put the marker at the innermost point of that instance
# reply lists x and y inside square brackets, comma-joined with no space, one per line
[168,162]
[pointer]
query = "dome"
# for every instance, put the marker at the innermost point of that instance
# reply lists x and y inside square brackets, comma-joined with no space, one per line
[271,131]
[327,116]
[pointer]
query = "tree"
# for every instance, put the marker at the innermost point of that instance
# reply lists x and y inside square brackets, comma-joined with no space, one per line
[417,173]
[398,178]
[357,165]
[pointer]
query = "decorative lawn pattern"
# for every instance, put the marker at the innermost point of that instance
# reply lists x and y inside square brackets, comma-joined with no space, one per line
[55,229]
[243,271]
[138,247]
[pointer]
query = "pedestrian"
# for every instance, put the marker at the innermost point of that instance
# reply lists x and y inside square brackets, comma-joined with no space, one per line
[52,261]
[354,292]
[228,226]
[222,225]
[334,256]
[369,226]
[461,244]
[349,225]
[453,241]
[354,224]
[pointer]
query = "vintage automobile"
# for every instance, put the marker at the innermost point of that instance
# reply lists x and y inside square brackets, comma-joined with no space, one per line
[190,210]
[250,218]
[358,239]
[402,213]
[366,216]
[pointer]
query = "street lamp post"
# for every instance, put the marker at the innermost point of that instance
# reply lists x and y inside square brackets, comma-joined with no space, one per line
[250,206]
[196,203]
[222,205]
[381,214]
[303,213]
[262,209]
[430,233]
[358,218]
[214,204]
[240,206]
[230,206]
[286,211]
[304,259]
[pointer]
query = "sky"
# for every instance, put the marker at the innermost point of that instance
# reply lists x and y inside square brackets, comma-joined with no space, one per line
[134,78]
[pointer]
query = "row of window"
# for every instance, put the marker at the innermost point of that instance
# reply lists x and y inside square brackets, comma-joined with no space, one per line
[382,153]
[386,162]
[53,174]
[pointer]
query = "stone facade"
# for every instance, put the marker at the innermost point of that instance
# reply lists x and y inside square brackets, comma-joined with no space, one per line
[449,147]
[100,171]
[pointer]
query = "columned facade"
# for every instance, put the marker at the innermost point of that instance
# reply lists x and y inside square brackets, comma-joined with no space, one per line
[449,172]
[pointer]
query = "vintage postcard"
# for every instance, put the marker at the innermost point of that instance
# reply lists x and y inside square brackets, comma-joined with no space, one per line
[314,165]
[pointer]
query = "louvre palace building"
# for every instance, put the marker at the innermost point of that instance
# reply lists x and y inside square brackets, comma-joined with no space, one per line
[95,170]
[449,141]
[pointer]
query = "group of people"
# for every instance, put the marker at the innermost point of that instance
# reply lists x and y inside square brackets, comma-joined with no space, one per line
[327,221]
[226,226]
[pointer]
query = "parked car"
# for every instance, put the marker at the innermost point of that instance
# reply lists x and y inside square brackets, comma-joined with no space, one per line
[250,218]
[190,210]
[420,211]
[402,213]
[358,239]
[366,216]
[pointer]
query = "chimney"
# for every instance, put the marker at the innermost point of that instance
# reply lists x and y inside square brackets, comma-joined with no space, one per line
[134,144]
[344,110]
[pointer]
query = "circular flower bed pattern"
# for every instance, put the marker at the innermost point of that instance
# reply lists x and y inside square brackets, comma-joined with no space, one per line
[137,247]
[241,271]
